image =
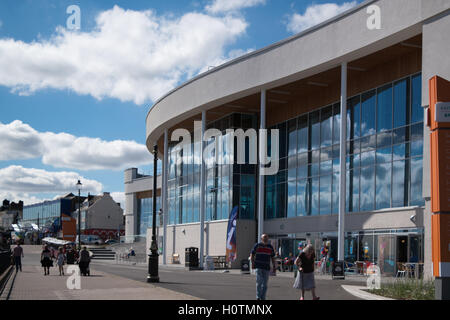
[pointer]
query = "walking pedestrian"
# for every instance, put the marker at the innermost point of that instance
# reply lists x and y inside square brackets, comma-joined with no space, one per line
[324,259]
[305,276]
[46,260]
[83,261]
[70,256]
[261,256]
[60,258]
[18,255]
[291,262]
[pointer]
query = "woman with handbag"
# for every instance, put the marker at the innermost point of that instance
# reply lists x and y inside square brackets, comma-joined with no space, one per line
[305,275]
[46,260]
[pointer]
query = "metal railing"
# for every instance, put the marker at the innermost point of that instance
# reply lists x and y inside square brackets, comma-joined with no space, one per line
[124,257]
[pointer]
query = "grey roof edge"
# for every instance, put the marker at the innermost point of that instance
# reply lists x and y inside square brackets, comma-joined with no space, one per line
[267,48]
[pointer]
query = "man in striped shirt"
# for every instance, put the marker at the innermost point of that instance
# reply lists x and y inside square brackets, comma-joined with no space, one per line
[262,254]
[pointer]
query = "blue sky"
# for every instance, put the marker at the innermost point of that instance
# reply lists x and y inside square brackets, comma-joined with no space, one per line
[73,102]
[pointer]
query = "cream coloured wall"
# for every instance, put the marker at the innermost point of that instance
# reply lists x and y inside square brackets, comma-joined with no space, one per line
[180,237]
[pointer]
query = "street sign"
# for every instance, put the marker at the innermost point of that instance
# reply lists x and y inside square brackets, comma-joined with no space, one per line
[442,112]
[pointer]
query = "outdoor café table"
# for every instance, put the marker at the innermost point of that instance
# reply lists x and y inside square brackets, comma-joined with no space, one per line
[360,266]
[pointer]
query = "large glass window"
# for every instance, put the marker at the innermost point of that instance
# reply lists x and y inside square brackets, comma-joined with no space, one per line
[302,134]
[325,195]
[302,197]
[401,102]
[314,123]
[367,196]
[292,192]
[221,177]
[326,126]
[416,92]
[383,187]
[368,113]
[399,185]
[247,198]
[416,181]
[145,214]
[292,137]
[314,196]
[384,108]
[385,142]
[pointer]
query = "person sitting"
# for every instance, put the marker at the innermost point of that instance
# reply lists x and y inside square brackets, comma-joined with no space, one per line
[131,253]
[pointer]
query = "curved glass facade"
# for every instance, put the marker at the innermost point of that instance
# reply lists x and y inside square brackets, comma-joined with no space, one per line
[384,161]
[227,185]
[384,155]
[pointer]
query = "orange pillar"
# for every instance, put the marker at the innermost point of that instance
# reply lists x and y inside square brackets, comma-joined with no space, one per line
[438,119]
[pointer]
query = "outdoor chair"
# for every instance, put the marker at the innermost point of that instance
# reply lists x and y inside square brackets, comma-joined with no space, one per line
[360,267]
[401,270]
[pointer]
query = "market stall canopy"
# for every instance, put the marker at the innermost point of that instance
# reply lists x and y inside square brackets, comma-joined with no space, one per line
[56,241]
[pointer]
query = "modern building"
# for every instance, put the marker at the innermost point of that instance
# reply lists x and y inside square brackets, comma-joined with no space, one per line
[101,216]
[45,213]
[50,218]
[138,203]
[371,64]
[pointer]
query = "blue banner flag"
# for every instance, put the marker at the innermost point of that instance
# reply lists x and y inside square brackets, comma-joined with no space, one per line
[231,235]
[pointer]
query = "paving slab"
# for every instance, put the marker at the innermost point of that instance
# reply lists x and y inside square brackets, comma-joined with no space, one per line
[32,284]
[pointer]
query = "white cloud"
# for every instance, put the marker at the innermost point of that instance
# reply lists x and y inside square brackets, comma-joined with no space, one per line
[19,141]
[316,14]
[27,198]
[119,197]
[24,182]
[63,150]
[129,55]
[223,6]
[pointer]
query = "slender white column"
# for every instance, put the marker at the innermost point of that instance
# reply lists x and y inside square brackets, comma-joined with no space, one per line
[261,177]
[165,207]
[202,190]
[342,157]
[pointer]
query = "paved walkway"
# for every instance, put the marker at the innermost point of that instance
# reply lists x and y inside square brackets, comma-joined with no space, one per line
[31,284]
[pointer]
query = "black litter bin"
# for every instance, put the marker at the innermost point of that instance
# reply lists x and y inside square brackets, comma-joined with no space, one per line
[337,270]
[191,257]
[245,266]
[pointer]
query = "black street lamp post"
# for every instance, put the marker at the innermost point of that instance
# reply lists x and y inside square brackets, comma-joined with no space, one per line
[38,230]
[79,214]
[153,257]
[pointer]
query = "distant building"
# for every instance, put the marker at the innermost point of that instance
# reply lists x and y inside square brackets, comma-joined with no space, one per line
[139,203]
[45,213]
[102,216]
[10,213]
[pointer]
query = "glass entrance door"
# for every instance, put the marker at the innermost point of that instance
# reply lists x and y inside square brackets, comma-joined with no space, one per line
[415,248]
[289,245]
[402,249]
[387,254]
